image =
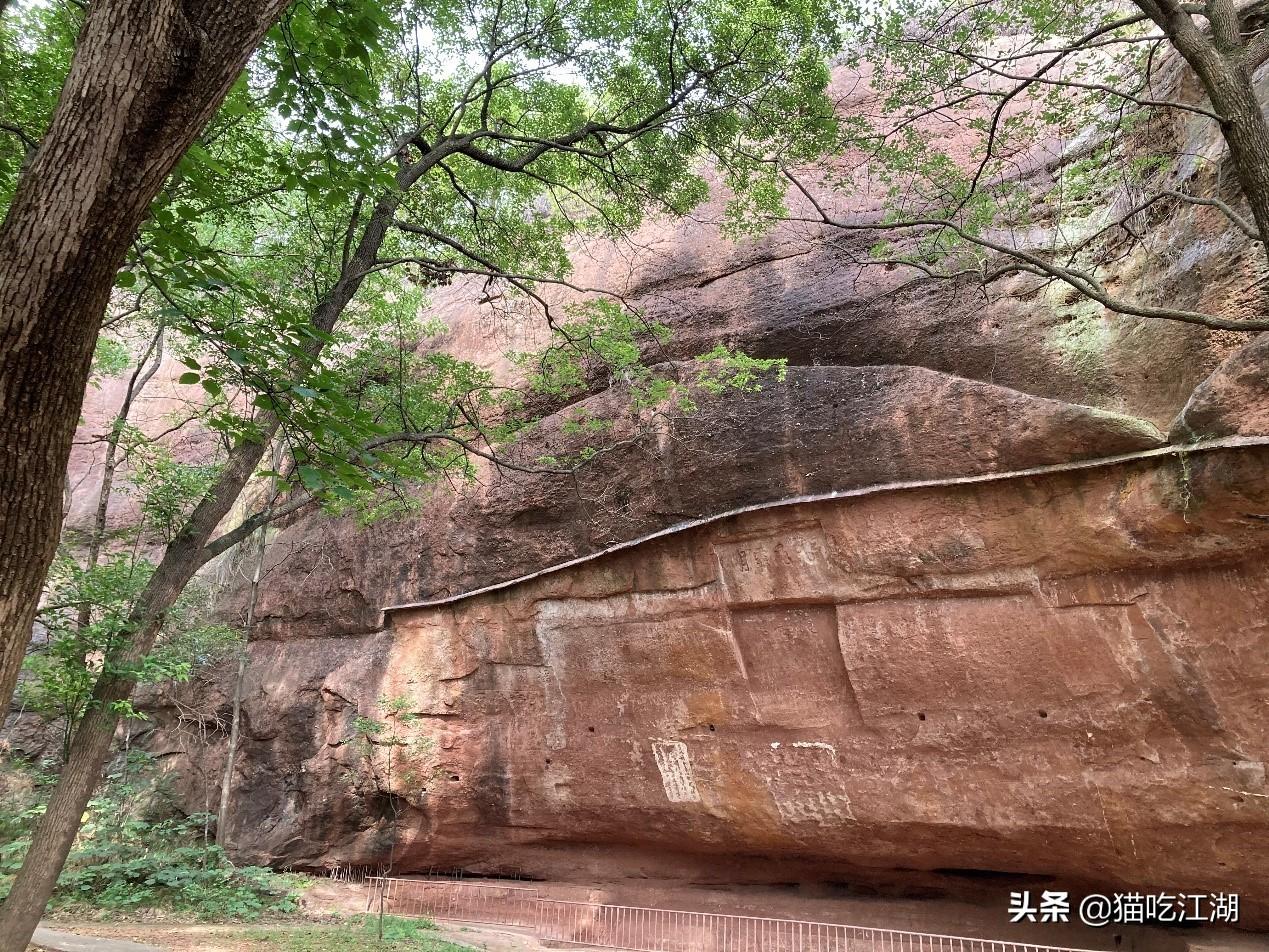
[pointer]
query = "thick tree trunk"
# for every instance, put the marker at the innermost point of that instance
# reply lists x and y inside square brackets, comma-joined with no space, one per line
[146,77]
[55,832]
[1247,135]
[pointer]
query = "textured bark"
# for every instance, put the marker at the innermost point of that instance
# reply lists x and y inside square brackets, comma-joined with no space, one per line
[146,77]
[90,746]
[1223,63]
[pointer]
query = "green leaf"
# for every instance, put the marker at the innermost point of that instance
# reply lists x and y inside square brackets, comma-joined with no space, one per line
[311,477]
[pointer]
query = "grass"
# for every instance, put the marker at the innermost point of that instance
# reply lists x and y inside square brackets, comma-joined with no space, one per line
[399,935]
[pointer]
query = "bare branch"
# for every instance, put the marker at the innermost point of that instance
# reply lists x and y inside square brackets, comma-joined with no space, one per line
[440,435]
[1082,281]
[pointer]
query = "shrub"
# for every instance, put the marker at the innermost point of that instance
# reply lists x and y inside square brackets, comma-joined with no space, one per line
[134,854]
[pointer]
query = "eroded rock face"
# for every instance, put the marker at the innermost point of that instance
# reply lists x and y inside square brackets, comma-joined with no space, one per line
[1054,676]
[822,429]
[1233,400]
[1060,677]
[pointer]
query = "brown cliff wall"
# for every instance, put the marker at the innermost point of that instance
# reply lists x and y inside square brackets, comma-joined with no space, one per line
[1054,678]
[1058,677]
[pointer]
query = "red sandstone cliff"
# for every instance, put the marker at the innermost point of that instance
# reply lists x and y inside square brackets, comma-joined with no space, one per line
[1057,676]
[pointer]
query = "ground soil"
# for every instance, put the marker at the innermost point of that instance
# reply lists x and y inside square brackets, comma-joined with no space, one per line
[325,901]
[329,902]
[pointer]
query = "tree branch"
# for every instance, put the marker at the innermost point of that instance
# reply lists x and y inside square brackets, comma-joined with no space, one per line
[249,525]
[1082,281]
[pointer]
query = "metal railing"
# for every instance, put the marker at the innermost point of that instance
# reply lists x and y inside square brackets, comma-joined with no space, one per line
[645,929]
[459,901]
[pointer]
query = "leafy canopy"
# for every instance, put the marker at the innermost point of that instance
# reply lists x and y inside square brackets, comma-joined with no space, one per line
[479,138]
[371,153]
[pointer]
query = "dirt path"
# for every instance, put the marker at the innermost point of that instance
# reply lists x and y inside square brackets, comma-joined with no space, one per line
[55,940]
[176,937]
[325,902]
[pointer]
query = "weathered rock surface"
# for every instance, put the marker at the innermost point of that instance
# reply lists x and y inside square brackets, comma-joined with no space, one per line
[1234,399]
[822,429]
[1057,678]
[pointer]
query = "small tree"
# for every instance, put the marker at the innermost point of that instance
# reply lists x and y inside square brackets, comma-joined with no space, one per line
[381,739]
[65,665]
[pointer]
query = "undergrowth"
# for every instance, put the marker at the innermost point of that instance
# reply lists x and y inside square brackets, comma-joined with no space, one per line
[399,935]
[135,853]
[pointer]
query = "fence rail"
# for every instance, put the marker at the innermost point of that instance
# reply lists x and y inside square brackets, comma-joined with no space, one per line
[645,929]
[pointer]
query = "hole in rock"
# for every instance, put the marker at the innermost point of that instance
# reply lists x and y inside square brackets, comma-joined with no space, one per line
[591,729]
[921,715]
[548,761]
[1043,713]
[389,805]
[711,727]
[453,776]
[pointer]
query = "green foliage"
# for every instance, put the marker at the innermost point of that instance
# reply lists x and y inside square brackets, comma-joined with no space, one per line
[60,674]
[1016,81]
[60,677]
[133,853]
[609,344]
[36,41]
[371,152]
[602,339]
[606,345]
[168,488]
[395,747]
[492,133]
[194,880]
[110,358]
[399,935]
[728,369]
[726,80]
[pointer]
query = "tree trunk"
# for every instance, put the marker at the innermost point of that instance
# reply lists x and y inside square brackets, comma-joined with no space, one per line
[1222,64]
[235,717]
[1247,136]
[55,832]
[145,79]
